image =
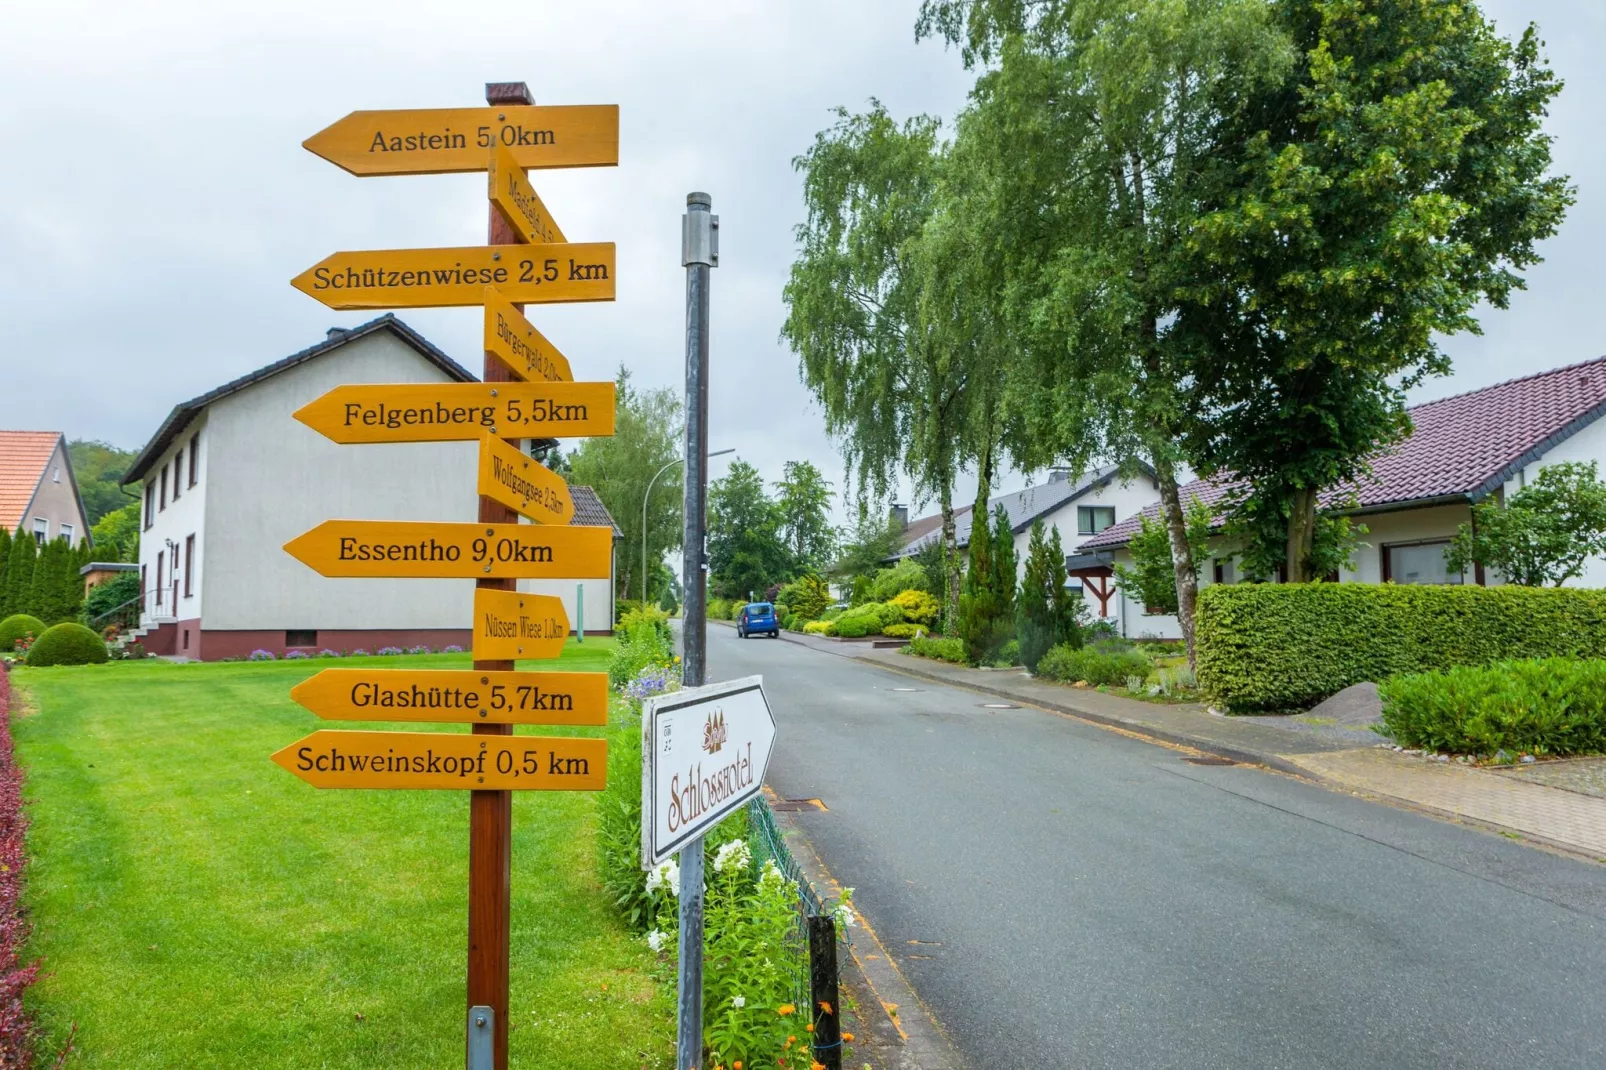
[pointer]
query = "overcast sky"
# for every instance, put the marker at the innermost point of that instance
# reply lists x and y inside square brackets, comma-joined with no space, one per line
[155,199]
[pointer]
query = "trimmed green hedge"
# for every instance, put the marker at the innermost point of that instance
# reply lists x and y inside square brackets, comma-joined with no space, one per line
[1067,664]
[1265,647]
[67,644]
[19,626]
[1550,706]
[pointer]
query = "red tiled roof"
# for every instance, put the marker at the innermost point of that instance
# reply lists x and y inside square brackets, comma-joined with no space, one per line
[23,457]
[1464,446]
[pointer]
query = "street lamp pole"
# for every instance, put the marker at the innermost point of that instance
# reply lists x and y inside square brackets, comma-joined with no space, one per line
[645,498]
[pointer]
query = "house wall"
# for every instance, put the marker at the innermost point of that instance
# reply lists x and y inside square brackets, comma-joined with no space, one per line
[55,501]
[1128,497]
[165,530]
[1405,525]
[270,478]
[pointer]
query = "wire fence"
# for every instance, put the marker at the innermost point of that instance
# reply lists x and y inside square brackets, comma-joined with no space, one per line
[768,845]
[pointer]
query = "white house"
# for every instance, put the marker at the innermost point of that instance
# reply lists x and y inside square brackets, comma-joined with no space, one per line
[1079,509]
[1463,450]
[229,477]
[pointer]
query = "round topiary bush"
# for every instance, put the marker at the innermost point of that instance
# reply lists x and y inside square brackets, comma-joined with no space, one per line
[67,644]
[18,626]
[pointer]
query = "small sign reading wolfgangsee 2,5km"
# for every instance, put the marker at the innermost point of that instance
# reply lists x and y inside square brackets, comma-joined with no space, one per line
[705,751]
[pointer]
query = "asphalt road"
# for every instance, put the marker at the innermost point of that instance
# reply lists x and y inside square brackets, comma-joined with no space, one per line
[1061,895]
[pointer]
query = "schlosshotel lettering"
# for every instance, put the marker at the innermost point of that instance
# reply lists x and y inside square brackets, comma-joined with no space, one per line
[423,550]
[382,415]
[700,794]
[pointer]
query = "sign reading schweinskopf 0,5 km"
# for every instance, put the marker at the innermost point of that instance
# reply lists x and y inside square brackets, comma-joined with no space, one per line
[334,759]
[706,750]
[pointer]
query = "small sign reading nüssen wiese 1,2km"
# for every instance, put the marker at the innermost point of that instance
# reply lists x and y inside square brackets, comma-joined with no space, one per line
[704,751]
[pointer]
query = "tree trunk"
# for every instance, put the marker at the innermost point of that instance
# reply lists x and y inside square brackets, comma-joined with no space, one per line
[1301,534]
[950,564]
[1182,562]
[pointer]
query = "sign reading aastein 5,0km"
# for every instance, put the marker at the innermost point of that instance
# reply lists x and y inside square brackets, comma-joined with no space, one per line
[432,141]
[705,752]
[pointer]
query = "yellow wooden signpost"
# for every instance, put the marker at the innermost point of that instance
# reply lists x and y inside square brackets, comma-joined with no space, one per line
[337,759]
[514,341]
[447,550]
[461,696]
[436,278]
[523,483]
[521,206]
[431,141]
[526,260]
[456,412]
[511,625]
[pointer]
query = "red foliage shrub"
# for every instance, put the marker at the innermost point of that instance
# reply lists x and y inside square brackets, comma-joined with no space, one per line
[16,1032]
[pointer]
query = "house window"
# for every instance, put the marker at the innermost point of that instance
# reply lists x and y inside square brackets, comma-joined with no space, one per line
[1418,562]
[178,468]
[159,585]
[55,476]
[144,586]
[189,566]
[195,451]
[1092,519]
[301,637]
[163,499]
[66,533]
[41,530]
[1222,571]
[150,505]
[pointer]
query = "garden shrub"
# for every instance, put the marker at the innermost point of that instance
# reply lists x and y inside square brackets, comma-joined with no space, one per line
[1067,664]
[1010,654]
[19,626]
[853,627]
[67,644]
[1550,706]
[640,646]
[718,609]
[819,627]
[938,648]
[917,607]
[807,596]
[105,597]
[906,575]
[653,615]
[904,631]
[1282,646]
[736,610]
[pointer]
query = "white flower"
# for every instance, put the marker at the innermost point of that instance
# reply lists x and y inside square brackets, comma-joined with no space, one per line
[665,875]
[735,853]
[844,916]
[738,1001]
[657,939]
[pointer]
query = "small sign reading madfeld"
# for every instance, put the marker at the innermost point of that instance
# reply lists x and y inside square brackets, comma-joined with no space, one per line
[705,751]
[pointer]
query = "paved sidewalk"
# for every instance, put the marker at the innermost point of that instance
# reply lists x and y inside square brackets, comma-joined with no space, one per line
[1347,759]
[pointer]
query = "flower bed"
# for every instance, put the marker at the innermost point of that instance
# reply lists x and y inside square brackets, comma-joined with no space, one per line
[15,1028]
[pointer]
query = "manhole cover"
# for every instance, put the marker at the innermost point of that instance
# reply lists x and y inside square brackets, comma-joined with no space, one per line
[906,689]
[998,706]
[1209,759]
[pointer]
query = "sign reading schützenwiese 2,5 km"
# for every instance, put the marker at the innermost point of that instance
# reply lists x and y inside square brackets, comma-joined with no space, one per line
[706,750]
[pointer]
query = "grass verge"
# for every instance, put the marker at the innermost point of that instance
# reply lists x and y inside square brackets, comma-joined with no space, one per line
[195,905]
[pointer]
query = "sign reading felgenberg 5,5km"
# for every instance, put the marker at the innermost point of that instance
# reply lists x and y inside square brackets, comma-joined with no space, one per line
[705,751]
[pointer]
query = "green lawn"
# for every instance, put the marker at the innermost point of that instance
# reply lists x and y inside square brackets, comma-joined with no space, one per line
[197,906]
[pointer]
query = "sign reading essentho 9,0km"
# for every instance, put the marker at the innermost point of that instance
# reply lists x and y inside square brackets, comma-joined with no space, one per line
[426,550]
[706,751]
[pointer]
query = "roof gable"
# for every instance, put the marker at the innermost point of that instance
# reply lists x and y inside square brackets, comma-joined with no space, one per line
[185,412]
[589,510]
[24,457]
[1022,506]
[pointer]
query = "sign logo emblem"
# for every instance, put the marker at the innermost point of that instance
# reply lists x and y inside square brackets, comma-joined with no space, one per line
[714,732]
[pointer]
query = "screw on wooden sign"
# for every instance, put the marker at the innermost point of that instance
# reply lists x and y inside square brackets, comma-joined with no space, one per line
[523,483]
[509,625]
[460,696]
[514,341]
[330,758]
[457,412]
[431,141]
[431,550]
[439,278]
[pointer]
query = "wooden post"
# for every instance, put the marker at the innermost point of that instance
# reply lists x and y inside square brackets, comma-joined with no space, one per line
[822,990]
[490,813]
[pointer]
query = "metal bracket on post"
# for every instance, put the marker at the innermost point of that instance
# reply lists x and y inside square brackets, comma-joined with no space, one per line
[699,239]
[481,1033]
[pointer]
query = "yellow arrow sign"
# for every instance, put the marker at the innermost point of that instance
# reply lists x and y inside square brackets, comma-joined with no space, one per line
[455,412]
[431,278]
[456,695]
[333,759]
[434,141]
[520,205]
[402,548]
[511,339]
[522,483]
[510,625]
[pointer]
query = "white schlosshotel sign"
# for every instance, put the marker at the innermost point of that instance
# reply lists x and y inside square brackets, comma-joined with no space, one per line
[704,752]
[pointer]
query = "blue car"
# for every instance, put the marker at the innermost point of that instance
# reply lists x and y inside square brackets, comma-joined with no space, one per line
[757,617]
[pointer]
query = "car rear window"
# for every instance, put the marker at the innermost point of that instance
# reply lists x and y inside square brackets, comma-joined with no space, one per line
[760,607]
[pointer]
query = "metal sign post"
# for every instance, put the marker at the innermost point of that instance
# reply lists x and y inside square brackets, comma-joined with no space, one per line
[699,254]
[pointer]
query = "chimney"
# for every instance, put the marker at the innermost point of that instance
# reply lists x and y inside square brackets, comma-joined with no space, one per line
[900,516]
[1058,475]
[336,332]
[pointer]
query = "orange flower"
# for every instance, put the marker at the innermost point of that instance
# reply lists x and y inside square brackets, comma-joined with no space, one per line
[809,1028]
[826,1007]
[848,1037]
[784,1009]
[737,1065]
[816,1066]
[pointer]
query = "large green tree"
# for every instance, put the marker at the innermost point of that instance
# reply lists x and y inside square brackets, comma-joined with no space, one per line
[98,466]
[1361,207]
[1083,143]
[803,497]
[646,439]
[746,553]
[1544,534]
[116,535]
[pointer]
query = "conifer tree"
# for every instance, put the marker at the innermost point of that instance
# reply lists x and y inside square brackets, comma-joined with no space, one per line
[1034,608]
[19,575]
[1003,579]
[976,608]
[1064,606]
[5,565]
[42,598]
